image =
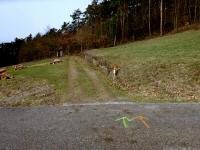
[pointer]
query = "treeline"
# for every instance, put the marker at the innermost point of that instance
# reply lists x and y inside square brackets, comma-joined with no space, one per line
[107,23]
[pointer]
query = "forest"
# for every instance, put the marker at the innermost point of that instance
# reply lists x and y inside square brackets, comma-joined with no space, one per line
[105,23]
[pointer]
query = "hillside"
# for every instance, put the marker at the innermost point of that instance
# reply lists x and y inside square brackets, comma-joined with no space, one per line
[166,68]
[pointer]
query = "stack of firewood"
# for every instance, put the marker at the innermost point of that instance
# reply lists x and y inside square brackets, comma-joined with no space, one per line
[18,67]
[56,61]
[3,74]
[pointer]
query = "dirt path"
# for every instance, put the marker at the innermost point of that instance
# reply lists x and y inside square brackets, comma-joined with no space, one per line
[103,93]
[85,84]
[74,91]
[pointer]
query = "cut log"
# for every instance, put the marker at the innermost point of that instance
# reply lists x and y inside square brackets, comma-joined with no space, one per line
[56,61]
[2,70]
[18,67]
[3,74]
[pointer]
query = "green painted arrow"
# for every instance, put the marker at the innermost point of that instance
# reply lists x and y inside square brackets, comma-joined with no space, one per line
[125,121]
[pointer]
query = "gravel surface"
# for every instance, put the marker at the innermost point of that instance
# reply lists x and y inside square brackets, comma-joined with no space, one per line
[93,127]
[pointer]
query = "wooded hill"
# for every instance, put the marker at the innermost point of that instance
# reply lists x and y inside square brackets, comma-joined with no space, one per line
[105,23]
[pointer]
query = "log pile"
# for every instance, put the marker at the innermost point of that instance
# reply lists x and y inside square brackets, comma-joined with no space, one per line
[18,67]
[3,74]
[56,61]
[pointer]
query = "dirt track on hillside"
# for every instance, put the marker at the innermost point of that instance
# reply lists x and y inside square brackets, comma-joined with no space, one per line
[100,89]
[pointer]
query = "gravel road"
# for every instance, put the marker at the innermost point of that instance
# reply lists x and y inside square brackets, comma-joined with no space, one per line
[93,127]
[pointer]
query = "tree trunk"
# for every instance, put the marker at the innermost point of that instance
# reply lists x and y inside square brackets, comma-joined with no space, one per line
[81,46]
[68,50]
[161,17]
[115,32]
[150,18]
[189,10]
[176,15]
[123,17]
[115,38]
[122,25]
[195,11]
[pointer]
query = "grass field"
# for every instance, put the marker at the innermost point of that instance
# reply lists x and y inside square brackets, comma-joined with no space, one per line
[163,69]
[38,84]
[41,83]
[43,70]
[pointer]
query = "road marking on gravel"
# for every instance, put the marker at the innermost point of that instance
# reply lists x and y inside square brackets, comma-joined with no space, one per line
[128,103]
[99,104]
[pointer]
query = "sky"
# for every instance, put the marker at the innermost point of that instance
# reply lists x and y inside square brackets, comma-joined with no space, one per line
[19,18]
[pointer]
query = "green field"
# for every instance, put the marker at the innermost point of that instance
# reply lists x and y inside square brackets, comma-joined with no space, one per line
[41,83]
[159,69]
[43,70]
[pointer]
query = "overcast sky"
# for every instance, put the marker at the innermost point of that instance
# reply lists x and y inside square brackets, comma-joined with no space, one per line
[19,18]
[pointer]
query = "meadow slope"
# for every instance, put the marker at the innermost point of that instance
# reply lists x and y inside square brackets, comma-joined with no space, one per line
[163,69]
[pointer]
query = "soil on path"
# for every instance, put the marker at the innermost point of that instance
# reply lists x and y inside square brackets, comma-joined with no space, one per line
[74,90]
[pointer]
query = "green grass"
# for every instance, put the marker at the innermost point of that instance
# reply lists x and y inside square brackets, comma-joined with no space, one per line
[54,75]
[85,82]
[166,68]
[184,45]
[109,86]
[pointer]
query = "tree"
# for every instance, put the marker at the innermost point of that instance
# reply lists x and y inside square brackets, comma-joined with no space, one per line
[38,36]
[29,38]
[77,20]
[106,23]
[161,17]
[149,17]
